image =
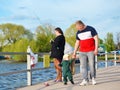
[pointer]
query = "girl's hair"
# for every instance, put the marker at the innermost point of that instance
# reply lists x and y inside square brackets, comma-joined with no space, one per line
[59,30]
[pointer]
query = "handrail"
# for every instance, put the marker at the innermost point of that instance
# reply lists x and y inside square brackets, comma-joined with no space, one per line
[13,53]
[21,53]
[22,71]
[29,69]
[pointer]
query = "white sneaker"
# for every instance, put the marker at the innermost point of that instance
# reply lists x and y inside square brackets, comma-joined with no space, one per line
[93,81]
[84,82]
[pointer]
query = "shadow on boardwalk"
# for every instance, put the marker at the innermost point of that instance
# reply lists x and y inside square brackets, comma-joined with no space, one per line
[107,79]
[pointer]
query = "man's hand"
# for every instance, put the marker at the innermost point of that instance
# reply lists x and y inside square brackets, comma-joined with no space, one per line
[96,52]
[96,44]
[76,48]
[74,55]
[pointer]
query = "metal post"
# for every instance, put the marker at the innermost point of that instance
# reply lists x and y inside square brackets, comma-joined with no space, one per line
[96,60]
[106,59]
[115,58]
[29,73]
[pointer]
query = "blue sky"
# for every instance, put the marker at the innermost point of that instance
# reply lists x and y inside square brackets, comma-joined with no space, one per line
[104,15]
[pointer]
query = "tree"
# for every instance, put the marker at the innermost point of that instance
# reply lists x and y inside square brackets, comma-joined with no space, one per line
[118,40]
[1,41]
[12,32]
[20,46]
[109,42]
[33,45]
[43,35]
[100,41]
[28,35]
[70,35]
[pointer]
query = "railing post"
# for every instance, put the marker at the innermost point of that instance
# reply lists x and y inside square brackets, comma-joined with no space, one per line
[115,58]
[106,59]
[96,61]
[29,73]
[46,61]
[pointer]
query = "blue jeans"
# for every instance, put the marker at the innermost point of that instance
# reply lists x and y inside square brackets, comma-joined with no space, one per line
[85,59]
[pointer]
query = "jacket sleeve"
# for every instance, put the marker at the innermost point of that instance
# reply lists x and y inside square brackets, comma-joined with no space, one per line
[56,42]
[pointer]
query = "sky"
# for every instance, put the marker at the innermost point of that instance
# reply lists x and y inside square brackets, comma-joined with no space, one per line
[103,15]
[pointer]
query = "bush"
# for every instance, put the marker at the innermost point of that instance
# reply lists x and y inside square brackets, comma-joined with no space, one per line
[43,35]
[21,46]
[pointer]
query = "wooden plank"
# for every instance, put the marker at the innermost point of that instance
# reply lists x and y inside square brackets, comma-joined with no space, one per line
[107,79]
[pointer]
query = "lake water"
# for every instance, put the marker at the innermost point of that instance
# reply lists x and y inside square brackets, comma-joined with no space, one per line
[11,82]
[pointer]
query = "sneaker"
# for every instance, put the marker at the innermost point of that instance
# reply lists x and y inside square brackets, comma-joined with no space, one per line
[84,82]
[72,82]
[93,81]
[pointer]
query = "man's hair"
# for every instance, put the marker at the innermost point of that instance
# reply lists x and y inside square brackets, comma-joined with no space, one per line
[80,22]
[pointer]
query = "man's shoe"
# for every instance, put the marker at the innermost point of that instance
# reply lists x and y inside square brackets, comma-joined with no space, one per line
[93,81]
[84,82]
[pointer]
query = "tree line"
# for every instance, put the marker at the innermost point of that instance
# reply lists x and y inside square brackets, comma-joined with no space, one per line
[16,38]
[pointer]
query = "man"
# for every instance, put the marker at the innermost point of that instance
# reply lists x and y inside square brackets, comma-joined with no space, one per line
[87,42]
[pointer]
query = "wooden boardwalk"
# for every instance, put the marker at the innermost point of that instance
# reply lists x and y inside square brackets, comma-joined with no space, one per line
[107,79]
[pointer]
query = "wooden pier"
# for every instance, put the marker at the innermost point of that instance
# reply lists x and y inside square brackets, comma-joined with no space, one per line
[107,79]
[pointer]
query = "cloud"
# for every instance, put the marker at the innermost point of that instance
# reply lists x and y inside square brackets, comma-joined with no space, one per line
[104,15]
